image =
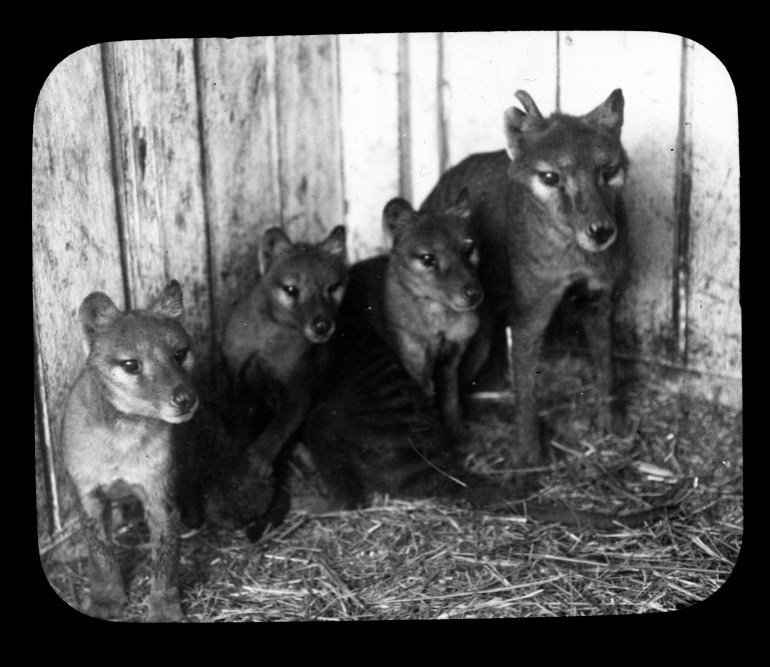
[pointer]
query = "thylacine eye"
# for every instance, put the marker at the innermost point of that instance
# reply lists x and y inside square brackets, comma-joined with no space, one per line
[181,354]
[549,178]
[608,173]
[428,259]
[131,366]
[291,290]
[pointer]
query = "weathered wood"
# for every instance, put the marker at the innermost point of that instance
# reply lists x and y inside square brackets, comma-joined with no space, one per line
[424,110]
[591,66]
[714,313]
[237,90]
[369,118]
[309,135]
[75,246]
[152,91]
[483,71]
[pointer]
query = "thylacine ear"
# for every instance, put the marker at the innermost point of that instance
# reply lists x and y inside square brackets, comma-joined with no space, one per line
[397,215]
[462,205]
[517,122]
[96,312]
[609,114]
[274,243]
[169,302]
[334,244]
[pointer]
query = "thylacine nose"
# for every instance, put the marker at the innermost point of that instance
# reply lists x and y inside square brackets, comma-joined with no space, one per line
[601,233]
[473,293]
[321,325]
[183,398]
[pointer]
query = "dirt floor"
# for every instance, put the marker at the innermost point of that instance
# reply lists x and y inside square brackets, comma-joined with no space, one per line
[427,560]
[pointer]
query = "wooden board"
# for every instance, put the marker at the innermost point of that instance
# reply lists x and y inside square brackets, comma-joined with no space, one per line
[309,140]
[156,136]
[714,313]
[425,121]
[369,118]
[592,65]
[483,71]
[240,147]
[75,244]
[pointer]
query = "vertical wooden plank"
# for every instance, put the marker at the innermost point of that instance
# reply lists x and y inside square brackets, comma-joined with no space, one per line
[75,244]
[714,315]
[647,66]
[369,116]
[237,90]
[483,71]
[310,153]
[424,110]
[156,135]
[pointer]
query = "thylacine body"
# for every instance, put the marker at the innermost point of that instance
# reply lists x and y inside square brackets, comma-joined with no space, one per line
[423,297]
[551,222]
[273,342]
[118,438]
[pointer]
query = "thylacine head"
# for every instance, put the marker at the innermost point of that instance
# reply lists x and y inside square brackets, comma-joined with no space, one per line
[142,359]
[435,253]
[573,167]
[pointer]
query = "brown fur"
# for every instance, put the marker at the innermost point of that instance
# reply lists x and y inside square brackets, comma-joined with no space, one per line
[551,221]
[117,438]
[272,342]
[423,297]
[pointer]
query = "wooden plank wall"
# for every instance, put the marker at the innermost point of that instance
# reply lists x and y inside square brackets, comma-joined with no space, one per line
[166,159]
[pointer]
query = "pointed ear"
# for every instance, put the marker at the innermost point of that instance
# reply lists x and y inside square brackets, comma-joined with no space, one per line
[169,302]
[397,215]
[274,243]
[609,114]
[335,242]
[96,312]
[462,206]
[517,122]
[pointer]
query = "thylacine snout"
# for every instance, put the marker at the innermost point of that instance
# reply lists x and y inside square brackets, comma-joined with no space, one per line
[143,359]
[436,253]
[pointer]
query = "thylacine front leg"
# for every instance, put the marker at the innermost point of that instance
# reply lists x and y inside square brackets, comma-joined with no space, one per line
[108,596]
[288,418]
[596,316]
[163,522]
[447,386]
[528,326]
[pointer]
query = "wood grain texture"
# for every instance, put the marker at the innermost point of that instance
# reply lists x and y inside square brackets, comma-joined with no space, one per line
[156,137]
[241,163]
[369,118]
[591,66]
[310,151]
[483,71]
[714,333]
[75,246]
[424,111]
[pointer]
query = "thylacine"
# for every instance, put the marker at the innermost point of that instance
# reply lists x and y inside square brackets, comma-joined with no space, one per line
[373,430]
[550,220]
[272,344]
[423,297]
[118,434]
